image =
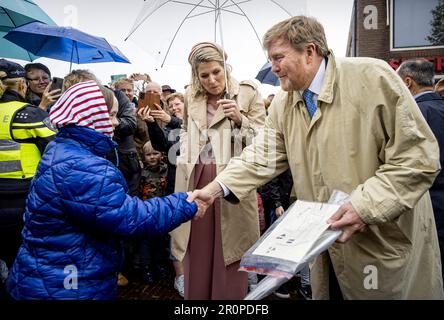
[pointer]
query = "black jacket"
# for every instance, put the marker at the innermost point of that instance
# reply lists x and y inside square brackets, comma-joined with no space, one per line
[276,193]
[167,140]
[124,132]
[432,107]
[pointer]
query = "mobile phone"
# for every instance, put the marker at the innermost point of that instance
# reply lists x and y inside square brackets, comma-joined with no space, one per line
[142,103]
[148,99]
[57,83]
[153,98]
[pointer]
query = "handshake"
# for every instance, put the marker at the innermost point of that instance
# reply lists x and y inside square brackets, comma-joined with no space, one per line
[345,218]
[205,197]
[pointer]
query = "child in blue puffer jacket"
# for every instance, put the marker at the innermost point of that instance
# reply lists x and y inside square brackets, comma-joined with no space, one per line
[78,208]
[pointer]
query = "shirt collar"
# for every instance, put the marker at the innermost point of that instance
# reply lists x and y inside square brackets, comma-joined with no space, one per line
[416,96]
[318,81]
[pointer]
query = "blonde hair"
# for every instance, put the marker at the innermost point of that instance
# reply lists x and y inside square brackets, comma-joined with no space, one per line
[175,95]
[148,148]
[77,76]
[8,83]
[205,55]
[299,31]
[122,81]
[108,95]
[439,87]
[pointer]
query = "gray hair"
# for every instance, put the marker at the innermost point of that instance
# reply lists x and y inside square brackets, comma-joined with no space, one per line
[420,70]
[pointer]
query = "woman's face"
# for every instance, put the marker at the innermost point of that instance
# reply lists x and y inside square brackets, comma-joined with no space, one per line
[211,77]
[38,80]
[177,107]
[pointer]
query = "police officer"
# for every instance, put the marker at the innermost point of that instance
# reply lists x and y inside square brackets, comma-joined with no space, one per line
[24,134]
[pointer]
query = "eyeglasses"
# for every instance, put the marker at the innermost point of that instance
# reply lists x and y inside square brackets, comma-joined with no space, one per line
[43,79]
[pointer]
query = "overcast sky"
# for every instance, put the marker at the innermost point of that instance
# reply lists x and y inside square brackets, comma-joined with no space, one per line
[146,48]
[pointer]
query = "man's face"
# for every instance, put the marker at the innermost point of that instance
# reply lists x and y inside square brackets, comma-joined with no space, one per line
[293,68]
[127,89]
[153,87]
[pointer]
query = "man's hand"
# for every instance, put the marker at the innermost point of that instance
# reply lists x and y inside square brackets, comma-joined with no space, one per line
[160,114]
[140,76]
[205,197]
[347,220]
[203,200]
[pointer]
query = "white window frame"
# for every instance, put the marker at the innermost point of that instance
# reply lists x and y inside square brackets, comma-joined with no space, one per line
[392,24]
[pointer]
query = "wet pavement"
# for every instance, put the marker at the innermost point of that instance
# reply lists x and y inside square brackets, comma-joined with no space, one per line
[164,290]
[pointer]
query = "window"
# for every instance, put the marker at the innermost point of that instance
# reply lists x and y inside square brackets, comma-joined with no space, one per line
[411,24]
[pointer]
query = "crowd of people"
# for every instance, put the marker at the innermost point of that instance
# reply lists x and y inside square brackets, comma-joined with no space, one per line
[98,189]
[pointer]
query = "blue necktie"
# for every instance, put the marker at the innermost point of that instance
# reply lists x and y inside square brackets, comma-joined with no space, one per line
[311,105]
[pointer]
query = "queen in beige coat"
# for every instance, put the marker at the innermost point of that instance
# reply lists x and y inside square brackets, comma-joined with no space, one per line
[216,127]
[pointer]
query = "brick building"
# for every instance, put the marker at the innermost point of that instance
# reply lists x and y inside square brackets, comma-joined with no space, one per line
[394,31]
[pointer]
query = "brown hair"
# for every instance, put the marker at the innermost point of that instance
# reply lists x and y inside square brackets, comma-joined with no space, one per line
[299,31]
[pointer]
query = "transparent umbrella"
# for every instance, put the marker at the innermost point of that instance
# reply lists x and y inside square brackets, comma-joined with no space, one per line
[168,29]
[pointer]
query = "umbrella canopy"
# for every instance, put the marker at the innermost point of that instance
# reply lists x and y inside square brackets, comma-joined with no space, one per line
[14,13]
[237,25]
[64,43]
[267,76]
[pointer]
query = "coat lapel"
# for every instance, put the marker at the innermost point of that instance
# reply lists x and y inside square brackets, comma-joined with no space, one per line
[197,110]
[218,117]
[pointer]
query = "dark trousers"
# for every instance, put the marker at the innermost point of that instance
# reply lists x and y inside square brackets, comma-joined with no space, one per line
[12,207]
[334,288]
[130,167]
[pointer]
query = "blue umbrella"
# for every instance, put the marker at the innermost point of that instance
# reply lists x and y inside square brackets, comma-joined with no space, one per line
[14,13]
[64,43]
[267,76]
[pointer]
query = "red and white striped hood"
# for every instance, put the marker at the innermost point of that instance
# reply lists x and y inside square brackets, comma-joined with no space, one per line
[82,105]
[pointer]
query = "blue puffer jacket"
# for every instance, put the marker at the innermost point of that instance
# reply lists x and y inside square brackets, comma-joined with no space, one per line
[77,212]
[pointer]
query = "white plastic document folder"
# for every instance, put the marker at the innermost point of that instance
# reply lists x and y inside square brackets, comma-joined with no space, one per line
[295,239]
[298,231]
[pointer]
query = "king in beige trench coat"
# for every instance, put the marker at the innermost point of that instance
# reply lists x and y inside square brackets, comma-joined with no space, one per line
[239,222]
[368,138]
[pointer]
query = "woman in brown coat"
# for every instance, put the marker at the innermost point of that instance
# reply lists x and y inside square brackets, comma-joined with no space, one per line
[219,120]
